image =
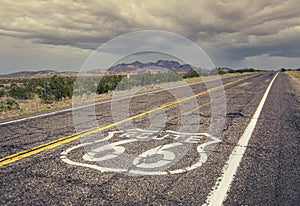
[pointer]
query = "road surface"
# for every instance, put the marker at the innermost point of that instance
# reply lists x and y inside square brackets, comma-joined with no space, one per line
[43,162]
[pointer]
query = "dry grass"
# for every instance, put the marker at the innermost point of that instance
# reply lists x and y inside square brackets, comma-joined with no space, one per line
[295,80]
[295,74]
[33,106]
[36,105]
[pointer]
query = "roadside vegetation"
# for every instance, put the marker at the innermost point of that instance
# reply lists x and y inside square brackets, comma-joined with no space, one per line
[22,96]
[292,72]
[218,70]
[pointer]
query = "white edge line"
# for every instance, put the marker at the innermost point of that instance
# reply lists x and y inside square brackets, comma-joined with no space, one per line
[220,191]
[97,103]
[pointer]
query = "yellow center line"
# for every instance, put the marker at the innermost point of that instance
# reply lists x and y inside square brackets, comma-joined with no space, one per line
[63,140]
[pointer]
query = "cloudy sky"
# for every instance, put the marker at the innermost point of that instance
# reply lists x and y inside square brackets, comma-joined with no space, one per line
[60,35]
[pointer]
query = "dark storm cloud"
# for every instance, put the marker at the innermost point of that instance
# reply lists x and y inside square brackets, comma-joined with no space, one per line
[232,29]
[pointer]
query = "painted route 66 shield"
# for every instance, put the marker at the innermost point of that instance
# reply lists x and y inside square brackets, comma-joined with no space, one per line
[143,152]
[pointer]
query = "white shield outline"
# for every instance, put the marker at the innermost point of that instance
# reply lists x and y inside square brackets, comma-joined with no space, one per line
[200,149]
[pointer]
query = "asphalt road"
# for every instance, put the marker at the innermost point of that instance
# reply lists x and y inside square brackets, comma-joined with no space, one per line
[81,172]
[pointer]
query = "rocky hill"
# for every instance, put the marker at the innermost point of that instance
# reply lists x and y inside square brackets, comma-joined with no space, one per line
[122,68]
[153,66]
[36,74]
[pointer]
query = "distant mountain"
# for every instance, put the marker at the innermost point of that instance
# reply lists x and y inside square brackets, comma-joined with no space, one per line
[37,74]
[225,69]
[123,68]
[154,66]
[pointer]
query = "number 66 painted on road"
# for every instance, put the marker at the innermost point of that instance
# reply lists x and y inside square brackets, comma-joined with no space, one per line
[152,162]
[105,149]
[167,156]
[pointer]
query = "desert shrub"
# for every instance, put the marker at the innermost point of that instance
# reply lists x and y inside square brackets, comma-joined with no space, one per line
[108,83]
[56,88]
[121,82]
[9,104]
[2,93]
[191,74]
[283,70]
[20,92]
[12,104]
